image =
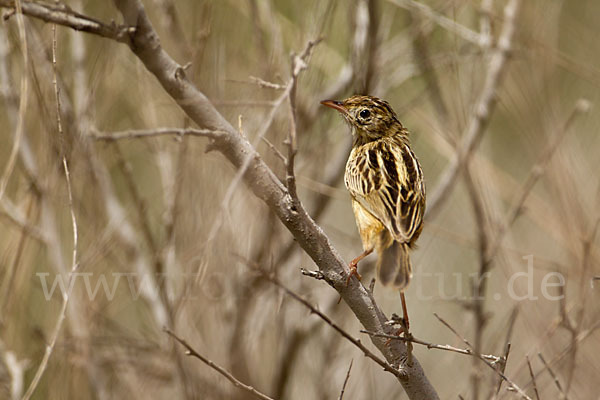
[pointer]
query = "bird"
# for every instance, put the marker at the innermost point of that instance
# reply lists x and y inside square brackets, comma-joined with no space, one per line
[386,184]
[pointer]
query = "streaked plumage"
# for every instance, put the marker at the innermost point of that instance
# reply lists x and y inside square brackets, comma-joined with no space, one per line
[386,183]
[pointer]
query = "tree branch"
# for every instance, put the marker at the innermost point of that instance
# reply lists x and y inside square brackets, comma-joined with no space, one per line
[144,133]
[63,15]
[191,352]
[482,111]
[488,363]
[74,260]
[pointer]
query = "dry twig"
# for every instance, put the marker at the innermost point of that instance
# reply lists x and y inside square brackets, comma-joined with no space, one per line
[563,395]
[537,396]
[24,98]
[74,265]
[446,347]
[144,133]
[63,15]
[346,381]
[191,352]
[482,111]
[488,363]
[386,366]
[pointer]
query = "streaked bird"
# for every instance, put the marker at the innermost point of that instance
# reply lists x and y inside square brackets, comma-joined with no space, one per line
[386,184]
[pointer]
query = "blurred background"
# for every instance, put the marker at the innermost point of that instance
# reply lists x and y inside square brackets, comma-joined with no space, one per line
[509,251]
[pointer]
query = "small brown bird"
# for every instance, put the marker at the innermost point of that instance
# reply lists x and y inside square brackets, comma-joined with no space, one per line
[386,183]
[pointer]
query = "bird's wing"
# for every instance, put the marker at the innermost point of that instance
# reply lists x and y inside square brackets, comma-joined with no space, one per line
[386,179]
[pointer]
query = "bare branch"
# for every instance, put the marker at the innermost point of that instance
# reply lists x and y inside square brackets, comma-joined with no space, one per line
[485,24]
[16,370]
[265,84]
[488,363]
[191,352]
[537,396]
[63,15]
[299,64]
[74,265]
[482,111]
[494,359]
[452,26]
[345,381]
[275,150]
[386,366]
[15,215]
[582,106]
[12,159]
[318,275]
[145,133]
[554,377]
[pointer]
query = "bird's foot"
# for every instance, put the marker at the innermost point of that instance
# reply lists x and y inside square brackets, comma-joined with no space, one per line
[399,332]
[353,272]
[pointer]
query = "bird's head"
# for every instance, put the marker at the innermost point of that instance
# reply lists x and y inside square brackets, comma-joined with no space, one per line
[370,118]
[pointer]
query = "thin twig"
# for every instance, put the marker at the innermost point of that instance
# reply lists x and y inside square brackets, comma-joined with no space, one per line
[299,64]
[485,24]
[24,98]
[445,22]
[507,346]
[63,15]
[16,216]
[482,111]
[191,352]
[384,364]
[265,84]
[581,106]
[554,377]
[488,363]
[346,381]
[8,294]
[145,133]
[537,396]
[584,334]
[318,275]
[275,150]
[16,370]
[66,296]
[494,359]
[479,282]
[503,366]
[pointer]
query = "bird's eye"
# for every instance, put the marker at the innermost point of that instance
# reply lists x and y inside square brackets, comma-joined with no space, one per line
[364,114]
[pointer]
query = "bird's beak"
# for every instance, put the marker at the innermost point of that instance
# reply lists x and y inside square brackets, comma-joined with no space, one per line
[338,105]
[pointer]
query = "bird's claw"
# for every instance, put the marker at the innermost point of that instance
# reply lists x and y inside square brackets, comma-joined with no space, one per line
[353,272]
[399,332]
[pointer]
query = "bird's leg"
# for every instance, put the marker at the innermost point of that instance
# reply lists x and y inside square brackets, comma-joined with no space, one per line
[406,324]
[403,322]
[354,264]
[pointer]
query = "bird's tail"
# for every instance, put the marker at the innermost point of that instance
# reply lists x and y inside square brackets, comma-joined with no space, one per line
[393,265]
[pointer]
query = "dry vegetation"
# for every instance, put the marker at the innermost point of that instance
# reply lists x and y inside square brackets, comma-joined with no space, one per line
[501,99]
